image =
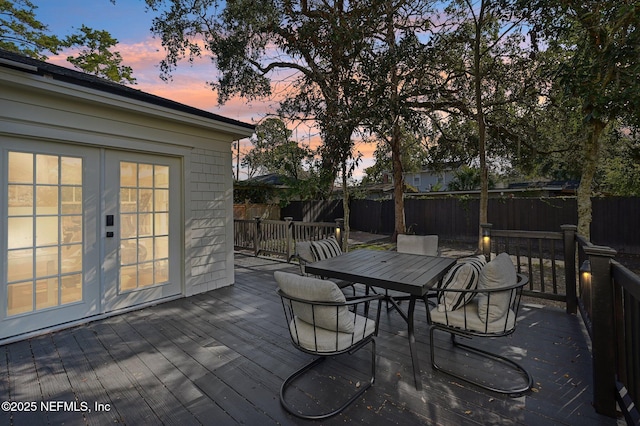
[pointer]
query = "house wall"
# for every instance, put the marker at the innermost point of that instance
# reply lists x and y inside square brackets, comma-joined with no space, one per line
[425,180]
[34,107]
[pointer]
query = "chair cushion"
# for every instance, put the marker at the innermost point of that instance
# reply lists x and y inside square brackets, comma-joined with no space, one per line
[500,272]
[316,290]
[325,249]
[467,318]
[464,275]
[418,244]
[321,340]
[303,251]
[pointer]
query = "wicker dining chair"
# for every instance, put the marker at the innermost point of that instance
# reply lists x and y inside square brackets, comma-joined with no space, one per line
[324,323]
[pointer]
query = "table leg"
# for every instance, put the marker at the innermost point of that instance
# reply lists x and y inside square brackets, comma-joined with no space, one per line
[412,344]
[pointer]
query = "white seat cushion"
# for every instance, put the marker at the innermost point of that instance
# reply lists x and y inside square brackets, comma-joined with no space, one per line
[498,273]
[321,340]
[316,290]
[467,318]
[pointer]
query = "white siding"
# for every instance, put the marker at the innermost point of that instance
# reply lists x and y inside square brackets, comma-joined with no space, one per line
[210,246]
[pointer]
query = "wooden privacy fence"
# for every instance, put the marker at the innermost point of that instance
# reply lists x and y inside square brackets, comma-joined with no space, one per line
[278,237]
[615,219]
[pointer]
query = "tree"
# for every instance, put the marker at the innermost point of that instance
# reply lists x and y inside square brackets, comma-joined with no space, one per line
[95,56]
[482,56]
[620,167]
[274,152]
[317,45]
[393,70]
[601,44]
[21,32]
[413,157]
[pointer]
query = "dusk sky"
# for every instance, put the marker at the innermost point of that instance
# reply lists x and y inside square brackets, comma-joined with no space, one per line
[128,22]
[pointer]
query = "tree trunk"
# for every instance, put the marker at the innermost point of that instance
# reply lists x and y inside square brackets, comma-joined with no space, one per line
[482,131]
[398,181]
[583,196]
[396,131]
[345,206]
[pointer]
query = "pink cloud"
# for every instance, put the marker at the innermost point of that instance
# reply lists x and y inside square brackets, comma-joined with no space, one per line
[188,85]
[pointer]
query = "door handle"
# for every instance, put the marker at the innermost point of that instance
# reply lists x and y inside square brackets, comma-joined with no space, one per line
[109,220]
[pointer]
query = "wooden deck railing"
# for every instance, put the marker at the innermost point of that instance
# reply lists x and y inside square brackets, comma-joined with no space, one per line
[565,266]
[610,307]
[547,258]
[278,237]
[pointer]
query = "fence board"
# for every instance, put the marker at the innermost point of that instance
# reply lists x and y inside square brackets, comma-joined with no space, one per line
[616,220]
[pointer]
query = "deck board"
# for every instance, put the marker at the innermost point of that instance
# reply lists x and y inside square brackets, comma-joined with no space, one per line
[220,358]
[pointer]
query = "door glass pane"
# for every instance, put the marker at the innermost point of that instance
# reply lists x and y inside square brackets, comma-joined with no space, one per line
[71,258]
[46,199]
[45,244]
[144,230]
[71,199]
[20,200]
[47,169]
[47,293]
[71,229]
[71,288]
[145,175]
[20,167]
[20,298]
[71,171]
[161,177]
[128,174]
[47,261]
[46,230]
[20,232]
[19,265]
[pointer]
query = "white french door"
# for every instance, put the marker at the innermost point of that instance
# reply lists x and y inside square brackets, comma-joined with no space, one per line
[142,229]
[84,231]
[50,251]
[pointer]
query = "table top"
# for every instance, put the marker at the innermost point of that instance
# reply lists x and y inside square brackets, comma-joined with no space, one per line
[409,273]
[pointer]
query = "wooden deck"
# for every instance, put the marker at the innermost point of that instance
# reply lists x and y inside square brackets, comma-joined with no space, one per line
[220,358]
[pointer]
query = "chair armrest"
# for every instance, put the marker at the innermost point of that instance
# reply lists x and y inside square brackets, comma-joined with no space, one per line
[302,262]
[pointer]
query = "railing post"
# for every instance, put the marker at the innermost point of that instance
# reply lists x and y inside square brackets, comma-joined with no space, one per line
[569,232]
[290,242]
[257,237]
[486,240]
[340,232]
[603,337]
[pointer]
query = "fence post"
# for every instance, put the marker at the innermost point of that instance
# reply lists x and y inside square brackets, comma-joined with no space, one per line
[569,232]
[603,334]
[256,237]
[486,240]
[290,241]
[339,232]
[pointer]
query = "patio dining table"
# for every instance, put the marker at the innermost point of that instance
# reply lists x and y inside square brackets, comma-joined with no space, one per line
[407,273]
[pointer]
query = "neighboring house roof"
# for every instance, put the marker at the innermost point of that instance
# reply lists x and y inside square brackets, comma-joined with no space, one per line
[34,66]
[271,179]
